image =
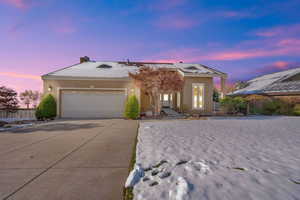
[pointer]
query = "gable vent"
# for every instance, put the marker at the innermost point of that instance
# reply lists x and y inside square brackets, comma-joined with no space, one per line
[104,66]
[191,68]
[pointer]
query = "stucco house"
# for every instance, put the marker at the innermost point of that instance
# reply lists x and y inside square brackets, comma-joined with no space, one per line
[93,89]
[284,85]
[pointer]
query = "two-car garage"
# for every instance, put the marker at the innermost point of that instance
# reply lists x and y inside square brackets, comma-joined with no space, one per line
[92,103]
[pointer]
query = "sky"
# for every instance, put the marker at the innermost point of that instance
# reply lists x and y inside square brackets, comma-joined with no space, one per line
[244,38]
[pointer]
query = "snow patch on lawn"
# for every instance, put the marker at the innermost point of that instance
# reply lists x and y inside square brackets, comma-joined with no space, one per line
[181,190]
[15,127]
[10,120]
[134,177]
[218,159]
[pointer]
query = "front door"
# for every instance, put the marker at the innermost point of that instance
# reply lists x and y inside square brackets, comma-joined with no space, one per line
[166,100]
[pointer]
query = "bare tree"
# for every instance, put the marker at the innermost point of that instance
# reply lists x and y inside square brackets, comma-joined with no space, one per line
[241,84]
[8,99]
[36,96]
[30,97]
[157,81]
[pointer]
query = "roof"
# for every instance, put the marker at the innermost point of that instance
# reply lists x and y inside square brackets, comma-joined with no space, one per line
[271,83]
[103,70]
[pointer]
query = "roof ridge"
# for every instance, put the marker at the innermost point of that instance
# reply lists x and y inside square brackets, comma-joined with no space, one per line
[60,69]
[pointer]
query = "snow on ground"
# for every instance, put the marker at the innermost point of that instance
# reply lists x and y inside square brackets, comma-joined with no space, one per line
[229,158]
[10,120]
[15,127]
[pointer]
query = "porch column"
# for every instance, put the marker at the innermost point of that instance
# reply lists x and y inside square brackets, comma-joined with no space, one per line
[223,87]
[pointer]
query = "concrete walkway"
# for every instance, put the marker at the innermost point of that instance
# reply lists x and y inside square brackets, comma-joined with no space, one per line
[82,159]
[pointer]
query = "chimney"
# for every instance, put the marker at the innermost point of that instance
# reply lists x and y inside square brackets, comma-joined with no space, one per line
[84,59]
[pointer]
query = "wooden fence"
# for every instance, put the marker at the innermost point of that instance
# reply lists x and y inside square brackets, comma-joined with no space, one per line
[25,114]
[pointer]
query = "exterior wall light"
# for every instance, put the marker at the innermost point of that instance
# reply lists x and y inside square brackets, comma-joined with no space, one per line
[49,88]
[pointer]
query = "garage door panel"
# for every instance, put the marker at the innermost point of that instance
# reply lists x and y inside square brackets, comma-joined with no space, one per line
[92,104]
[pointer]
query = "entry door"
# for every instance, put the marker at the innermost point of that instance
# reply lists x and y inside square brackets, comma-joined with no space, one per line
[167,100]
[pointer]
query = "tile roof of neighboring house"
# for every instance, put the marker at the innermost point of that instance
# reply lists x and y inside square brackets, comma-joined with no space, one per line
[108,70]
[271,83]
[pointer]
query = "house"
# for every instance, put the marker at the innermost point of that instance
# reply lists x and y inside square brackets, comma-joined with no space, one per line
[93,89]
[283,85]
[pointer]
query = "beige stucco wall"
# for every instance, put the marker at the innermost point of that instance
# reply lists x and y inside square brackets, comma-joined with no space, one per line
[186,94]
[186,97]
[58,85]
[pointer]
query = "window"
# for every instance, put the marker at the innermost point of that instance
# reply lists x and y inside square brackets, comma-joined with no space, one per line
[198,95]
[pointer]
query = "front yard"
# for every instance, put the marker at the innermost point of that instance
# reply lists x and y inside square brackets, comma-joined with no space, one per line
[229,158]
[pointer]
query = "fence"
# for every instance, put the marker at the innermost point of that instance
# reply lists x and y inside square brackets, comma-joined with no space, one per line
[24,114]
[216,106]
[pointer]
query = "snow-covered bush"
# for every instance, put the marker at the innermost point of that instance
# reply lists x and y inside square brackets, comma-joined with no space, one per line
[132,109]
[47,108]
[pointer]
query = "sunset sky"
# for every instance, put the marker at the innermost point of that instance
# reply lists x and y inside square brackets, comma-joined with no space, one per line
[244,38]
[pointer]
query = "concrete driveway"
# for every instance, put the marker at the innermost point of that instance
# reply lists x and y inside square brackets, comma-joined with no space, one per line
[78,159]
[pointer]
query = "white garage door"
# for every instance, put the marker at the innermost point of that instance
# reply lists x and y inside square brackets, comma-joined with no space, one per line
[92,104]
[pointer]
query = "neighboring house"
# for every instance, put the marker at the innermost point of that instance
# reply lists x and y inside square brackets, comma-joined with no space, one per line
[99,89]
[284,84]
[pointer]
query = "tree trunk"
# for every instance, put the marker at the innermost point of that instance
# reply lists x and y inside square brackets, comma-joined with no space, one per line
[157,104]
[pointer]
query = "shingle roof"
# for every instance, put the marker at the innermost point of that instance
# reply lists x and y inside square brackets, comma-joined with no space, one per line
[271,83]
[93,69]
[290,86]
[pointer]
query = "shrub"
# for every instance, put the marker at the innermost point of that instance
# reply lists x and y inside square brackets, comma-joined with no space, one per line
[38,114]
[256,103]
[227,104]
[271,107]
[132,109]
[216,96]
[277,107]
[285,108]
[47,108]
[234,105]
[296,110]
[240,105]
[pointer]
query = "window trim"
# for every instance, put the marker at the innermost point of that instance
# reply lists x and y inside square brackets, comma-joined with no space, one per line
[198,84]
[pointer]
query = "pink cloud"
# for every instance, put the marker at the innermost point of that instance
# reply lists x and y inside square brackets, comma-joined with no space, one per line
[22,4]
[283,31]
[175,22]
[20,82]
[289,42]
[278,43]
[255,49]
[277,66]
[17,75]
[281,64]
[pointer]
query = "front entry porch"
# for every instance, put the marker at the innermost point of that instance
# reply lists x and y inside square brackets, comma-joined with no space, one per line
[196,97]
